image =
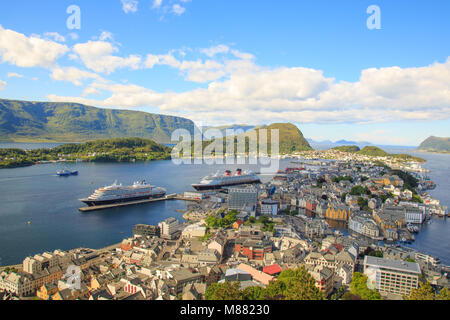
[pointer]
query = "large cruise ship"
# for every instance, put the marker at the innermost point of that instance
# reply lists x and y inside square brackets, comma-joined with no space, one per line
[117,193]
[217,181]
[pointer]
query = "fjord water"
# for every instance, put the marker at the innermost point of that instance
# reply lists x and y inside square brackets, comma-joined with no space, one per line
[51,204]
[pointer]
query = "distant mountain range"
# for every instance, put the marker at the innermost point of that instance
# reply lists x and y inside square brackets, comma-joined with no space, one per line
[329,143]
[23,121]
[435,144]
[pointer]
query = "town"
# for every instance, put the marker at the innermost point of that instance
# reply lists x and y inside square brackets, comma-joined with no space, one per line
[339,220]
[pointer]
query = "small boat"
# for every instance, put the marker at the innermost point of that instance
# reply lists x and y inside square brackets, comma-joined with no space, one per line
[65,173]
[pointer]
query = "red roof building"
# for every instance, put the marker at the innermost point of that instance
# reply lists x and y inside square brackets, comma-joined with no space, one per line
[272,270]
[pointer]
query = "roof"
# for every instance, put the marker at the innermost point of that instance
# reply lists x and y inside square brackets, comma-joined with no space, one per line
[396,265]
[257,275]
[273,269]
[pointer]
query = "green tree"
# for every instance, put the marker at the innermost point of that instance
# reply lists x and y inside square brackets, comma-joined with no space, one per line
[426,292]
[224,291]
[359,287]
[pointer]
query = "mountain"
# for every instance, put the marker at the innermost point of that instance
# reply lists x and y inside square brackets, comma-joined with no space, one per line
[435,144]
[291,138]
[373,151]
[346,142]
[347,148]
[22,121]
[223,129]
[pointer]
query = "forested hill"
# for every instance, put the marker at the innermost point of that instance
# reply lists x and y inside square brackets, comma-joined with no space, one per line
[435,144]
[23,121]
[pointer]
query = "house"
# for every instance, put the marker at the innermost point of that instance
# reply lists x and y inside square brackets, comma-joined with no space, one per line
[257,275]
[47,290]
[345,272]
[272,270]
[237,224]
[324,278]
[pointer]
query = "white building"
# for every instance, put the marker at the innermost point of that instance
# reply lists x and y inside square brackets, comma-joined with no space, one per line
[168,228]
[17,284]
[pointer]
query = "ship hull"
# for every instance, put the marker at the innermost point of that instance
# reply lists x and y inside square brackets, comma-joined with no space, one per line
[92,203]
[203,187]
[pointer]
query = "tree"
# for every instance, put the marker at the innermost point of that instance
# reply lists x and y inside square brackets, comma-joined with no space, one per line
[224,291]
[426,292]
[293,284]
[358,287]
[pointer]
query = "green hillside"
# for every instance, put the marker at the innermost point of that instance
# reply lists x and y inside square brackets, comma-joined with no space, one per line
[373,151]
[22,121]
[435,144]
[290,138]
[347,148]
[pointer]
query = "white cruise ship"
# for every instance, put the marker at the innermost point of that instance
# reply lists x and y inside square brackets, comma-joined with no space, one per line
[217,181]
[117,193]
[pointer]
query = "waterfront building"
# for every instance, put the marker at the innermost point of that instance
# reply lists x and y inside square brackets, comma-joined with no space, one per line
[390,217]
[337,212]
[169,228]
[146,230]
[239,198]
[362,223]
[392,276]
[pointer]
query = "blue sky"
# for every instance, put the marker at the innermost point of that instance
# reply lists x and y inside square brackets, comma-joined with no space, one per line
[314,63]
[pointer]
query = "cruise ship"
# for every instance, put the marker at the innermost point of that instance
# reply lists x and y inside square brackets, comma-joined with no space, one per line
[218,180]
[117,193]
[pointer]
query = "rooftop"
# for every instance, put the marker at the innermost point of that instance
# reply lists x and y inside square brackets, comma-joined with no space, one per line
[392,264]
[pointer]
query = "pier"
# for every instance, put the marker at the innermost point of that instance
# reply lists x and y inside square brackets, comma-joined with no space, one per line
[125,204]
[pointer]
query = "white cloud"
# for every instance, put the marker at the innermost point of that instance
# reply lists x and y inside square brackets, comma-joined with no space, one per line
[55,36]
[178,10]
[23,51]
[106,35]
[129,6]
[212,51]
[156,4]
[72,74]
[242,55]
[2,85]
[254,94]
[15,75]
[73,35]
[97,56]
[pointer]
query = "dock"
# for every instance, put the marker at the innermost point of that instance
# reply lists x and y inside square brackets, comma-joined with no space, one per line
[125,204]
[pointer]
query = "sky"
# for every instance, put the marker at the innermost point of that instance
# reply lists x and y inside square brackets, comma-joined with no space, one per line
[334,68]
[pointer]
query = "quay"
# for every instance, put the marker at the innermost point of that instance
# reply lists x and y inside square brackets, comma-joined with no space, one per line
[125,204]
